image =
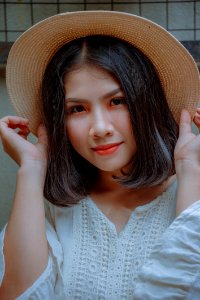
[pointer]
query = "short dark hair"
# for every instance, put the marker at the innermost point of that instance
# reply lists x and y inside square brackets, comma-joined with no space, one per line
[69,176]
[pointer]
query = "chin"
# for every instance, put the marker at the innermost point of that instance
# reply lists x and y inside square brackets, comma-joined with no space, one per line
[117,170]
[114,170]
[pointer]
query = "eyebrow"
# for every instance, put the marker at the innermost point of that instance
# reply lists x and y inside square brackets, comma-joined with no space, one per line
[109,94]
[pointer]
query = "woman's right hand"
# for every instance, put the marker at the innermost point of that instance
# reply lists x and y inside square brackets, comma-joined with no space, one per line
[17,146]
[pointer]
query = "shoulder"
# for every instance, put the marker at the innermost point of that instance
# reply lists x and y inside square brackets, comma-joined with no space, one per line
[59,214]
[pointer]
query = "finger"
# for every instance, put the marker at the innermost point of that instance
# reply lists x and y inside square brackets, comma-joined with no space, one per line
[6,128]
[196,118]
[21,126]
[198,110]
[24,132]
[11,122]
[14,120]
[197,113]
[185,123]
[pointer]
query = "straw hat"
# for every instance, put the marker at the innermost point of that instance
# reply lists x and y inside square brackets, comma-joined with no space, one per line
[31,53]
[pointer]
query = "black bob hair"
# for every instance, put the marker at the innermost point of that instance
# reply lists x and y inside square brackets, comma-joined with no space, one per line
[69,176]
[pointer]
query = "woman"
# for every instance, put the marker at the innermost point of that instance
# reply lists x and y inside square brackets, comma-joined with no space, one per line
[105,152]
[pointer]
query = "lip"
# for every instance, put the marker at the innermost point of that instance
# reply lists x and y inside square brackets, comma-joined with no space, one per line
[107,149]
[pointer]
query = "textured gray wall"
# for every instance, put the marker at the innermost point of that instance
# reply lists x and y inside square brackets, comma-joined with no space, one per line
[181,18]
[7,167]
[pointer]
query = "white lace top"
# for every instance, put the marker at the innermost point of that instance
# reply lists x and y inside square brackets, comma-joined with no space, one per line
[89,260]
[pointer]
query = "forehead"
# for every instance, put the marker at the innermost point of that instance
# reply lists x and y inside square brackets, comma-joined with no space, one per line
[89,78]
[89,70]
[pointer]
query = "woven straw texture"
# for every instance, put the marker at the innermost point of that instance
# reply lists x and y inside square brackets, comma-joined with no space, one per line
[31,53]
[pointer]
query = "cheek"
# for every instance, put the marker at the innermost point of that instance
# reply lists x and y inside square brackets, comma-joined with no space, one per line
[76,133]
[123,123]
[125,126]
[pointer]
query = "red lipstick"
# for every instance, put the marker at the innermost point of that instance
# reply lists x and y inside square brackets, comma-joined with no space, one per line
[106,149]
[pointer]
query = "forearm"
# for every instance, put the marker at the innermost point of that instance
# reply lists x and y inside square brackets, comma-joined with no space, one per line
[188,190]
[26,249]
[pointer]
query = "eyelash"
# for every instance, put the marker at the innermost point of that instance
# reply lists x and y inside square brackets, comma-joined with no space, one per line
[72,110]
[122,100]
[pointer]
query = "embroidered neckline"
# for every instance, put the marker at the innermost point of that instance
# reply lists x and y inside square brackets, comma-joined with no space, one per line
[138,211]
[140,208]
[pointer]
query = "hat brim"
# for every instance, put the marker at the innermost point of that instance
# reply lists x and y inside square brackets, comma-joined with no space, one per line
[31,53]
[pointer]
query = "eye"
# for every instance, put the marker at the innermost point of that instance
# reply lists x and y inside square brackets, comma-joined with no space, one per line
[117,101]
[75,109]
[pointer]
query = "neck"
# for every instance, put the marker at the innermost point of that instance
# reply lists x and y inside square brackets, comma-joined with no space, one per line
[111,193]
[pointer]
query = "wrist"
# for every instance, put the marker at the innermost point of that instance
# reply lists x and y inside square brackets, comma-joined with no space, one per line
[187,171]
[30,164]
[34,170]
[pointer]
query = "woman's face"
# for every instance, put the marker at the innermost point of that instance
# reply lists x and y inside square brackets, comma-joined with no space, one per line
[97,119]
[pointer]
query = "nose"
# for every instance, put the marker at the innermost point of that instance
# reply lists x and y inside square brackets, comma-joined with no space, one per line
[101,125]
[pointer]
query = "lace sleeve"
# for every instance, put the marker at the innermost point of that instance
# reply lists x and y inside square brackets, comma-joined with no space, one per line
[173,270]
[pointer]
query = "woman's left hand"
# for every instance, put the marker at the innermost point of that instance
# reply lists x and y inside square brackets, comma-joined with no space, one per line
[187,150]
[187,161]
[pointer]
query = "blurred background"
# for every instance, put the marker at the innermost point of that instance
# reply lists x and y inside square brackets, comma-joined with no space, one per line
[181,18]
